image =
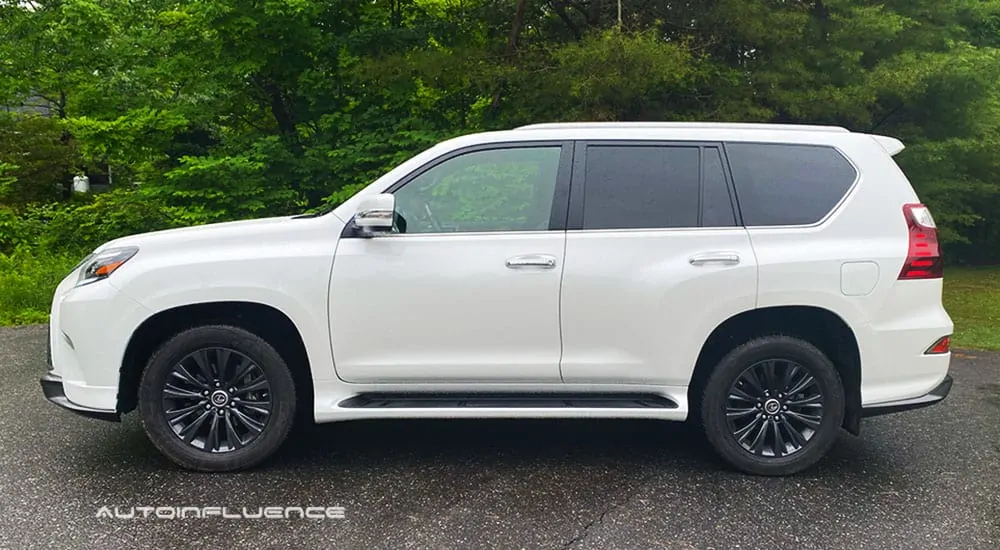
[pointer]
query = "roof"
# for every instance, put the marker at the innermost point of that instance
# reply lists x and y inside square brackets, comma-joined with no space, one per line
[804,133]
[683,126]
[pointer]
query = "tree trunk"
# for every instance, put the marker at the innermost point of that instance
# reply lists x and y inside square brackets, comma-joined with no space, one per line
[515,28]
[515,33]
[280,111]
[396,14]
[559,6]
[594,17]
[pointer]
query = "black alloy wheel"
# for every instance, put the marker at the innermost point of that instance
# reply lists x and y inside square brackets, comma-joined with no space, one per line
[773,406]
[217,398]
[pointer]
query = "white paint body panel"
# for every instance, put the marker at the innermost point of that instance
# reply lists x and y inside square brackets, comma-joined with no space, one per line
[858,278]
[446,308]
[622,311]
[633,303]
[281,262]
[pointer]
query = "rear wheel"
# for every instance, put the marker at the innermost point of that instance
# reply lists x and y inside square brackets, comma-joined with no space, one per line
[773,406]
[217,398]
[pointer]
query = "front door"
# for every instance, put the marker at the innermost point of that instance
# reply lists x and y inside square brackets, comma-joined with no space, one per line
[466,287]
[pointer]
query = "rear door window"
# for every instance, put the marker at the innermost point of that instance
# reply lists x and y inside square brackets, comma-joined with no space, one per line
[716,204]
[655,186]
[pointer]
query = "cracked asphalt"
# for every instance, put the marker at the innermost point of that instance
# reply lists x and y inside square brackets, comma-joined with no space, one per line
[921,479]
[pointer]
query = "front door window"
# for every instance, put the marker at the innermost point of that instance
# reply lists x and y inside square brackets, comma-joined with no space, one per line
[482,191]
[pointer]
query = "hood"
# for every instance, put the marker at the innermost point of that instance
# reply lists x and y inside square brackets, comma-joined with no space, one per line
[241,230]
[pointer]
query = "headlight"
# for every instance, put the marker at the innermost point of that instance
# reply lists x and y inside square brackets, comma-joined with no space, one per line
[102,265]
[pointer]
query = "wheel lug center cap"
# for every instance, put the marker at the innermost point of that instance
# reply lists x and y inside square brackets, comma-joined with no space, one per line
[219,398]
[772,406]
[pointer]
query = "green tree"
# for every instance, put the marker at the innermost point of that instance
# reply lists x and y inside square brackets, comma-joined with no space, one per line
[211,110]
[37,161]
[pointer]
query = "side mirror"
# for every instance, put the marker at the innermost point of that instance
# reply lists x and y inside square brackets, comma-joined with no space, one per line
[375,213]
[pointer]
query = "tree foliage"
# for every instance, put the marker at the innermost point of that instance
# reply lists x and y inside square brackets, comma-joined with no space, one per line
[208,110]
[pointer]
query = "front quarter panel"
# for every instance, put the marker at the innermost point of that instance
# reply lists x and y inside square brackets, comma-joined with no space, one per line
[285,266]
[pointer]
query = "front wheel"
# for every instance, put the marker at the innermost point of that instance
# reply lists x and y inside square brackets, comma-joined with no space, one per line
[217,398]
[773,406]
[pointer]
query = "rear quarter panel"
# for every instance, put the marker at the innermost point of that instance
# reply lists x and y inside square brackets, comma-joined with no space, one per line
[894,321]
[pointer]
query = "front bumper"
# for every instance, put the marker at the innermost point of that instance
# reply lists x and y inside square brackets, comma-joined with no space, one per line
[931,398]
[52,387]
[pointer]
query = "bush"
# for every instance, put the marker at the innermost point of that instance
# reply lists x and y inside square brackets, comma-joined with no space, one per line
[79,226]
[13,230]
[27,282]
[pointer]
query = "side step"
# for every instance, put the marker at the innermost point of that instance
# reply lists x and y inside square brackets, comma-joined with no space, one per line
[507,401]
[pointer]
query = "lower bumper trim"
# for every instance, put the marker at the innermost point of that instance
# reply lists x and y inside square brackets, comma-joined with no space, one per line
[52,387]
[931,398]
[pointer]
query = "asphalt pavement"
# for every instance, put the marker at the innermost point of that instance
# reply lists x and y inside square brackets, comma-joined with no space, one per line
[921,479]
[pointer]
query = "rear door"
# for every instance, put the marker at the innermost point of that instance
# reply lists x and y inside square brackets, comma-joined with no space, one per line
[656,258]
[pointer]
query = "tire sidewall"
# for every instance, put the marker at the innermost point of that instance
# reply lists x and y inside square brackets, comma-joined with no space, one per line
[282,390]
[713,411]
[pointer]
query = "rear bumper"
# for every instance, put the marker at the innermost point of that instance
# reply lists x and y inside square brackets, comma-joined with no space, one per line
[52,387]
[931,398]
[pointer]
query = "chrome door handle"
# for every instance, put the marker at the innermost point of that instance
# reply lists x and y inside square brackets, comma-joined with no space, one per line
[720,258]
[541,261]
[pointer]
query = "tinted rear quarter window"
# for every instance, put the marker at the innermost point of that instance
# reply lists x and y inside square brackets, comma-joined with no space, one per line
[779,184]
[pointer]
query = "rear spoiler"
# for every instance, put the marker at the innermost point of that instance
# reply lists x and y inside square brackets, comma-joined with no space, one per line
[890,144]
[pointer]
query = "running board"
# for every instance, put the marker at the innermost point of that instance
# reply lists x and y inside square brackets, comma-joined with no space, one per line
[507,401]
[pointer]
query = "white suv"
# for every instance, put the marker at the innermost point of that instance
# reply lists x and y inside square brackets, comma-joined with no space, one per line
[771,283]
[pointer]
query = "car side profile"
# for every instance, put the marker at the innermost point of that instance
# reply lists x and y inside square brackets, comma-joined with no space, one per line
[773,284]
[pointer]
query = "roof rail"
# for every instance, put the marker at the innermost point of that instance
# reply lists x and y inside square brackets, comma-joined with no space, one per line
[684,125]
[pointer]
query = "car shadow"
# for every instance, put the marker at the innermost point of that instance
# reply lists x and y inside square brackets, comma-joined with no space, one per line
[364,446]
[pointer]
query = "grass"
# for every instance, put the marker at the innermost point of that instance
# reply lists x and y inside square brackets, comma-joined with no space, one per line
[27,282]
[972,298]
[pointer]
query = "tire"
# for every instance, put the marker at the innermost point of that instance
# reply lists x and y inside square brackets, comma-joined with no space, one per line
[733,425]
[243,435]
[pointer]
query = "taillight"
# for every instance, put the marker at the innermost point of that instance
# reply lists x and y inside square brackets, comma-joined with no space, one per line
[923,260]
[941,346]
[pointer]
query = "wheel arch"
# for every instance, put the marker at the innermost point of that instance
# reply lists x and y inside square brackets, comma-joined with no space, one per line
[821,327]
[266,321]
